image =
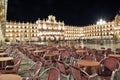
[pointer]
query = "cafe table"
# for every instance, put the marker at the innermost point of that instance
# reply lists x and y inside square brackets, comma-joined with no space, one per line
[101,50]
[61,50]
[38,52]
[3,54]
[51,56]
[1,50]
[4,60]
[89,63]
[10,77]
[31,49]
[81,52]
[114,55]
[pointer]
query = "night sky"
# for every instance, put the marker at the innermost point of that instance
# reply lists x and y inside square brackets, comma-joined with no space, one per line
[72,12]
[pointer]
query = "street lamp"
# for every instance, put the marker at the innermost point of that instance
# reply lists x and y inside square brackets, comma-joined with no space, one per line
[100,23]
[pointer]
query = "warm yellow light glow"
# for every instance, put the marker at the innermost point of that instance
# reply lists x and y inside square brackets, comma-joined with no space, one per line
[101,22]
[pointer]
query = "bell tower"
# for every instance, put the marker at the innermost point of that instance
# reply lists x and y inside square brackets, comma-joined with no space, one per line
[3,13]
[117,18]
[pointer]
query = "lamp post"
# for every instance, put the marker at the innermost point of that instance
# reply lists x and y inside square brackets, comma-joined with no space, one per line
[100,23]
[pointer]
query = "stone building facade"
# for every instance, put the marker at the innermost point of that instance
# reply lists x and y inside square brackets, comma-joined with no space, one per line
[53,30]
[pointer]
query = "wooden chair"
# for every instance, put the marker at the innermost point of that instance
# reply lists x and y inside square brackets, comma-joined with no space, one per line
[12,68]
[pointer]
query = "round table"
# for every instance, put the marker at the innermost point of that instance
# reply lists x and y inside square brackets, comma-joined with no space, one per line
[114,55]
[31,49]
[81,52]
[89,64]
[61,49]
[4,61]
[3,54]
[51,56]
[38,52]
[10,77]
[6,58]
[1,50]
